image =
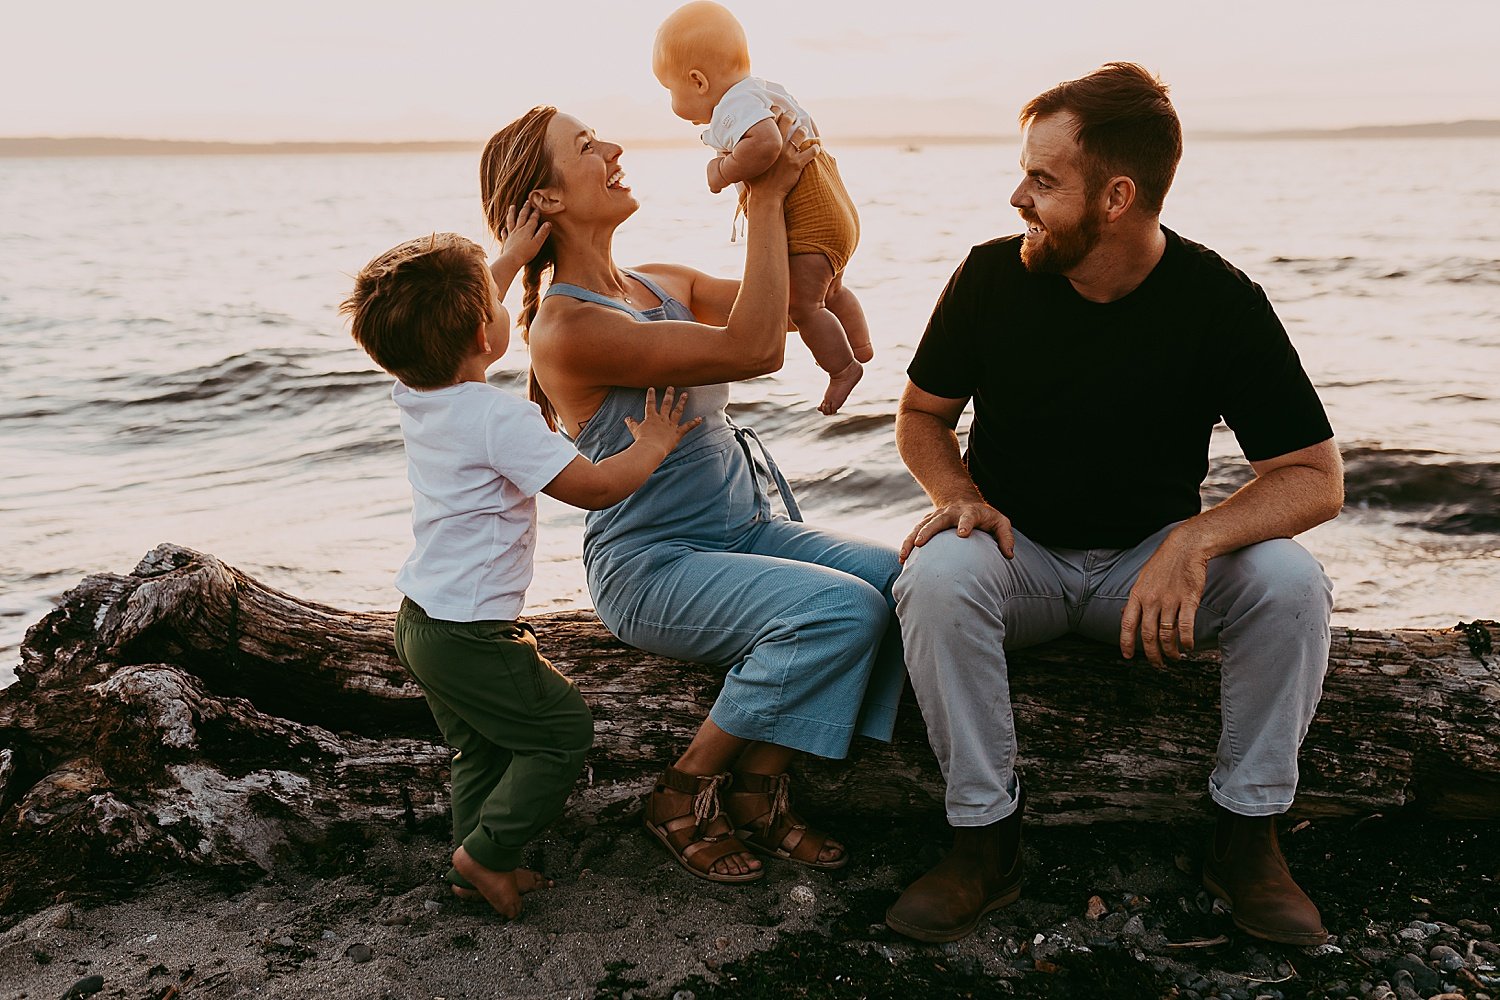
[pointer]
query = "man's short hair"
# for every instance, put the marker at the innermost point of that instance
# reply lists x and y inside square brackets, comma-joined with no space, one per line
[417,307]
[1125,124]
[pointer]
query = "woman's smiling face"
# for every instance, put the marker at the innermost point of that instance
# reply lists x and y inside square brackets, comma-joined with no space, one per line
[586,170]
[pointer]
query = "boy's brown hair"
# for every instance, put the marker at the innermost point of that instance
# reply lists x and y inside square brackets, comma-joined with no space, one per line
[1125,124]
[417,307]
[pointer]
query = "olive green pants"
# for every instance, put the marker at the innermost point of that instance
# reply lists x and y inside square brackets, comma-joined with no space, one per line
[519,728]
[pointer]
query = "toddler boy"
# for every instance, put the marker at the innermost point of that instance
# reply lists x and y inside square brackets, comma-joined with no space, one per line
[429,313]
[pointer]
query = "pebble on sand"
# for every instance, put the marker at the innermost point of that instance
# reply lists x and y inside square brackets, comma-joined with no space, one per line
[85,987]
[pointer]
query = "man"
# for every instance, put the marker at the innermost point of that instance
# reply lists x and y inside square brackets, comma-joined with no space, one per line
[1100,349]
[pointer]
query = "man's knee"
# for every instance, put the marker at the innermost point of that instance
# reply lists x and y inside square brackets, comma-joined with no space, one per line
[1279,574]
[948,567]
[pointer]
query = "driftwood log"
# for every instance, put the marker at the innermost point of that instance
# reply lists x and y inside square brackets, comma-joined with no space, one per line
[187,715]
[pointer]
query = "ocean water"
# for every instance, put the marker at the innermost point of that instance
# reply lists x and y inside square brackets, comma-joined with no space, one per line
[174,368]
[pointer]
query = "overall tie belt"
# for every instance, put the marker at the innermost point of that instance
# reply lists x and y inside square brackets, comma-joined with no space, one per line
[745,435]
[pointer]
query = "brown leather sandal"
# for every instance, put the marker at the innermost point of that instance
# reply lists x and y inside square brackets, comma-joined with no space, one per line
[761,808]
[696,833]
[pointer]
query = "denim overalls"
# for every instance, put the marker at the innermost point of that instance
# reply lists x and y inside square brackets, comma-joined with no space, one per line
[696,566]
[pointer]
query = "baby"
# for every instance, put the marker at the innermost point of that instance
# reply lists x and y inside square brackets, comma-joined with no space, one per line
[703,60]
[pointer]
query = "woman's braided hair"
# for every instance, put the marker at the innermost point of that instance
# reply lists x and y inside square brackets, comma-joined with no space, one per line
[514,164]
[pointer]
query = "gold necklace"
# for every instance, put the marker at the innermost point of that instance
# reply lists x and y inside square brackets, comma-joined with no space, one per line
[623,295]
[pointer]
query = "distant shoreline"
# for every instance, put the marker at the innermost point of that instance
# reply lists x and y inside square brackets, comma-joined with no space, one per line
[39,146]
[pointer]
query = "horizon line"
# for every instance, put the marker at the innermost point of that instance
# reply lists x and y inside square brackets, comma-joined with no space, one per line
[21,146]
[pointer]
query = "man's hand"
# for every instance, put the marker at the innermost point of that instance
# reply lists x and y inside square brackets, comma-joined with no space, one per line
[965,516]
[1163,604]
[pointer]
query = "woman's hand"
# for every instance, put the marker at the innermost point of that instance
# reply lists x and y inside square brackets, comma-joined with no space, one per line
[797,151]
[522,237]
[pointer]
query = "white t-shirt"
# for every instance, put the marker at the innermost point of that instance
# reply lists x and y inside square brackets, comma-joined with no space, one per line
[476,457]
[747,103]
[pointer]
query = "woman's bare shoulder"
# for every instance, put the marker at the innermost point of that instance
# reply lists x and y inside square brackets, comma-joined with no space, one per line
[676,279]
[559,316]
[709,298]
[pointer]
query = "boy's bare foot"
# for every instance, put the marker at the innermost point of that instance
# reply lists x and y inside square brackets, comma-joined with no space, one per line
[526,881]
[862,352]
[840,384]
[502,890]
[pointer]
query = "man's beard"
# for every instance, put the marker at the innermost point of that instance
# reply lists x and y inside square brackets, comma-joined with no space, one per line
[1061,250]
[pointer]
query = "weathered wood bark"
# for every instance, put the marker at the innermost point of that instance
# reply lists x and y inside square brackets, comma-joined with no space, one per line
[188,715]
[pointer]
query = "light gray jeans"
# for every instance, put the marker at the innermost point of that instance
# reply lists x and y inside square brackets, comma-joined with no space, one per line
[962,604]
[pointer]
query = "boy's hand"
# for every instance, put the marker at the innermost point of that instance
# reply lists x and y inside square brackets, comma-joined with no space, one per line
[662,425]
[523,235]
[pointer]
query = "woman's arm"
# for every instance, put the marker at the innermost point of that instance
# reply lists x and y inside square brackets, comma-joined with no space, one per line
[587,345]
[709,297]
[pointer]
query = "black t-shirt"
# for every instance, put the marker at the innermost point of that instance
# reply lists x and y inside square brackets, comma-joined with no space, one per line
[1092,420]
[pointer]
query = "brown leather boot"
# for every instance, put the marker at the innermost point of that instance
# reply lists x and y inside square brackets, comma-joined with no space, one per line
[981,873]
[1245,869]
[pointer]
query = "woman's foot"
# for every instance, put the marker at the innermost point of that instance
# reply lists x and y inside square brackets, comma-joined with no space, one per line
[683,812]
[502,890]
[840,384]
[760,806]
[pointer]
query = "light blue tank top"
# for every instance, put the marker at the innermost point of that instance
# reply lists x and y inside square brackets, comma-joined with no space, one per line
[710,490]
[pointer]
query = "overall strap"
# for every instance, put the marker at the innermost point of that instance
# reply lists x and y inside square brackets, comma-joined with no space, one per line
[654,288]
[588,295]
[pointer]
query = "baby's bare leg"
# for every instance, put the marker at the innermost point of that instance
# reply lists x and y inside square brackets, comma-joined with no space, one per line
[842,303]
[821,331]
[502,890]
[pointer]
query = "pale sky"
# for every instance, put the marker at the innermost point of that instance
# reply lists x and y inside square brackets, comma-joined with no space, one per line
[458,69]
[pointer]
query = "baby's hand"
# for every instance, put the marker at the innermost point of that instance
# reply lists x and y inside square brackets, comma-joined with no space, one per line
[662,425]
[716,182]
[523,235]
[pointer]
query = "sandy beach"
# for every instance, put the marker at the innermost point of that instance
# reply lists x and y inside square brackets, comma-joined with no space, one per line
[166,834]
[1109,911]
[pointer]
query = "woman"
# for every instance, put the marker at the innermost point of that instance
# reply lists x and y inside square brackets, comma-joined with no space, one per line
[695,565]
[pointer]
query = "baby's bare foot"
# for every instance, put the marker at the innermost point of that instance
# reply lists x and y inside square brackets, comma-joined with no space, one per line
[840,384]
[862,352]
[502,890]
